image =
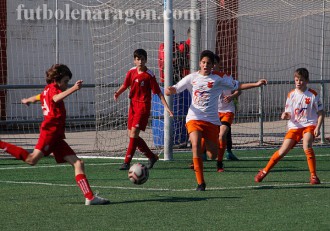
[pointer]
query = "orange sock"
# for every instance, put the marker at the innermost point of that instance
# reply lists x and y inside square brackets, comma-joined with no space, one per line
[311,161]
[198,167]
[273,161]
[222,149]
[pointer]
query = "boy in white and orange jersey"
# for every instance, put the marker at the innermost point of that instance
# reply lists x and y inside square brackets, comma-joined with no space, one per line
[226,111]
[304,110]
[202,120]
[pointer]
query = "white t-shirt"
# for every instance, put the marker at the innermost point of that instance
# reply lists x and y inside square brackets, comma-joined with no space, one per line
[303,108]
[223,106]
[205,92]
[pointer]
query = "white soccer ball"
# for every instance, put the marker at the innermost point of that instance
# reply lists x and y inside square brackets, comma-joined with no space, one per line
[138,173]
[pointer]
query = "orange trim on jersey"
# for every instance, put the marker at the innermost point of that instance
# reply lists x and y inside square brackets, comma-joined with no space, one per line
[290,93]
[312,91]
[209,131]
[226,117]
[219,73]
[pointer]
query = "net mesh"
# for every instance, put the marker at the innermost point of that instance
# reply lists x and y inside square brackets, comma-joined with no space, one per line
[254,39]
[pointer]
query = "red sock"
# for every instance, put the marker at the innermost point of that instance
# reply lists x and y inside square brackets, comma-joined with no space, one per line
[133,142]
[273,161]
[143,147]
[84,186]
[17,152]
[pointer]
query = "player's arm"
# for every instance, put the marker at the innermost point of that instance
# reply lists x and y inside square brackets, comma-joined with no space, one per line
[229,98]
[61,96]
[170,91]
[32,99]
[120,90]
[286,115]
[245,86]
[320,120]
[162,98]
[182,85]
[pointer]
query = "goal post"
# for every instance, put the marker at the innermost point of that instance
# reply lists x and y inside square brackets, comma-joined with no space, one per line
[168,73]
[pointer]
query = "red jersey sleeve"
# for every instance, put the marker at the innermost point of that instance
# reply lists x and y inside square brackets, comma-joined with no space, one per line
[153,84]
[128,79]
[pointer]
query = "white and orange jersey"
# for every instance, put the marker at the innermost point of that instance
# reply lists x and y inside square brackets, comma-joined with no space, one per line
[223,106]
[205,92]
[303,108]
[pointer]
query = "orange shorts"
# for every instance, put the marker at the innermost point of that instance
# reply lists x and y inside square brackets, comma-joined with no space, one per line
[226,117]
[209,131]
[297,134]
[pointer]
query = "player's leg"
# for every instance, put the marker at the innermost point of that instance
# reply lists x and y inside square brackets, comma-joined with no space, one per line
[132,145]
[63,153]
[287,145]
[17,152]
[205,153]
[34,157]
[222,146]
[140,122]
[308,139]
[195,139]
[229,154]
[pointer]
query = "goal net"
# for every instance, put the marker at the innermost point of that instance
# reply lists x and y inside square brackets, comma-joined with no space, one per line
[254,39]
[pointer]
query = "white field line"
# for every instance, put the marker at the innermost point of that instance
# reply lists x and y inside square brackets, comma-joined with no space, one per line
[293,185]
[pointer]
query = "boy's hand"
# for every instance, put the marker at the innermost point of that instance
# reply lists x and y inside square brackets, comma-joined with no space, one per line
[171,113]
[170,91]
[78,84]
[316,132]
[262,82]
[227,98]
[286,116]
[115,96]
[26,102]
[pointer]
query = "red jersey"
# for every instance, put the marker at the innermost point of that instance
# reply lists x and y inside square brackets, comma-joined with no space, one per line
[141,85]
[54,113]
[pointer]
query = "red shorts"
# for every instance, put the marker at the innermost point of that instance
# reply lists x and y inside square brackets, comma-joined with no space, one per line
[138,115]
[209,131]
[51,140]
[226,117]
[297,134]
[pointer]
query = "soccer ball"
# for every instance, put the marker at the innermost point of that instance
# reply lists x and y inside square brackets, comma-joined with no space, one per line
[138,173]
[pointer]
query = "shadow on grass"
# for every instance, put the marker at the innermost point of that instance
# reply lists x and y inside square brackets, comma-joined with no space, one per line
[173,199]
[165,199]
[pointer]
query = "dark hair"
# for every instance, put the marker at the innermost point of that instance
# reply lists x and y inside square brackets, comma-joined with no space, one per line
[57,72]
[139,53]
[303,72]
[208,54]
[217,58]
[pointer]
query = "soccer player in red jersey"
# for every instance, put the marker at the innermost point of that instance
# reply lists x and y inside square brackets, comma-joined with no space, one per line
[141,82]
[51,139]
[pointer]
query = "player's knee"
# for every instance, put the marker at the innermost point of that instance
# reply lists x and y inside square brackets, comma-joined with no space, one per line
[79,164]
